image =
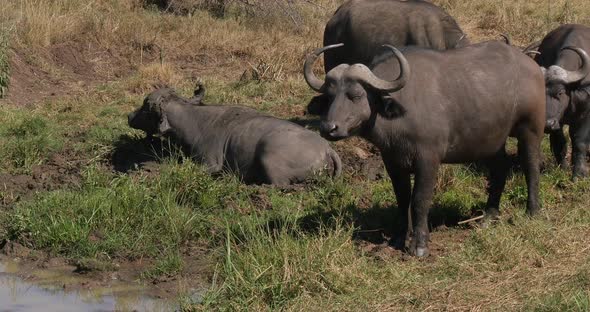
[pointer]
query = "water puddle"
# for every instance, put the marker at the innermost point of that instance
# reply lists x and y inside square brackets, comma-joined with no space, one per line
[46,293]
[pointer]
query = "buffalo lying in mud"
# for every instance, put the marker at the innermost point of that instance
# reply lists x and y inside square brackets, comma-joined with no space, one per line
[364,26]
[565,63]
[259,149]
[451,106]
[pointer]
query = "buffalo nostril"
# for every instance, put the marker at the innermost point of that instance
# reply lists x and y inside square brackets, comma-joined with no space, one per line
[328,127]
[552,124]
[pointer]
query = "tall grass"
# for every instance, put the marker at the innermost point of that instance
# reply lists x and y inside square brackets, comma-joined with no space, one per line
[523,20]
[27,140]
[4,61]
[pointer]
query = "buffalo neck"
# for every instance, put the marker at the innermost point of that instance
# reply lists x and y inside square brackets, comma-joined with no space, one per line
[195,126]
[580,100]
[386,134]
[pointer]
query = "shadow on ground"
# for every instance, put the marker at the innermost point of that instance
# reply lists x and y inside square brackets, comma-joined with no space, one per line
[376,225]
[133,153]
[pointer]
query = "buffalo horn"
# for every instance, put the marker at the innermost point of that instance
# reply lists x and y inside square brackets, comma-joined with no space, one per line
[314,82]
[576,76]
[369,77]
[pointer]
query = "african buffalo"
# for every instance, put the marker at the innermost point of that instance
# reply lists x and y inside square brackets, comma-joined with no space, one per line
[452,106]
[364,26]
[565,63]
[258,148]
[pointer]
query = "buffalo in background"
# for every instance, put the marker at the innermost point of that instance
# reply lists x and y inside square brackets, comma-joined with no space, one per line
[565,64]
[364,26]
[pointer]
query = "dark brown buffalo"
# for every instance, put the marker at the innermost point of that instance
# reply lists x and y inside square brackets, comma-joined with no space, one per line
[565,63]
[424,107]
[364,26]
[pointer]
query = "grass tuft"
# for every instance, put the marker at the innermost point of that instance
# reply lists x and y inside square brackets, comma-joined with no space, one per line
[27,140]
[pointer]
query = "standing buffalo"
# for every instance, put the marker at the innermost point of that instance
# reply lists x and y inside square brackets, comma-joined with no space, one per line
[566,67]
[364,26]
[259,149]
[451,106]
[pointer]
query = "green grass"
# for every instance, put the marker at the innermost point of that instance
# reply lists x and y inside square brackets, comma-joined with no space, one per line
[27,138]
[171,264]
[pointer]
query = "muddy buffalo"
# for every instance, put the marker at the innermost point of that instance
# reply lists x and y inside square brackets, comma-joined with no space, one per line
[426,107]
[259,149]
[363,26]
[565,64]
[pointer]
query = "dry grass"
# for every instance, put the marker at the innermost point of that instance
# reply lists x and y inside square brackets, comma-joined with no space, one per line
[523,20]
[154,75]
[130,30]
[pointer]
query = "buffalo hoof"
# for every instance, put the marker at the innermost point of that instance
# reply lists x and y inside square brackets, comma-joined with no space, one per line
[580,174]
[491,216]
[399,242]
[422,252]
[419,247]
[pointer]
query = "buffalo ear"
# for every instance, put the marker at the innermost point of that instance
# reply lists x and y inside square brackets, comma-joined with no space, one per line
[390,108]
[319,105]
[198,95]
[164,125]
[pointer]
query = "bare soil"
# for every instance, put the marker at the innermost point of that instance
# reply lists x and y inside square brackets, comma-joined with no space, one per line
[61,170]
[62,70]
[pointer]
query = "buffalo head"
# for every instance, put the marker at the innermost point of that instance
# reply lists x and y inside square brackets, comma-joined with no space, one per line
[351,94]
[559,85]
[151,116]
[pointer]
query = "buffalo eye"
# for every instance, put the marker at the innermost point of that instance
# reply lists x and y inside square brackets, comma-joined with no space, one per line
[330,88]
[355,97]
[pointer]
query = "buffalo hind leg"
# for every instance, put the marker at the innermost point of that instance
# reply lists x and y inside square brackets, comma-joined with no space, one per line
[426,169]
[559,147]
[269,169]
[529,149]
[498,165]
[580,137]
[402,187]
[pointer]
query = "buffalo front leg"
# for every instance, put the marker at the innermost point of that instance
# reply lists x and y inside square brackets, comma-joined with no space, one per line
[426,170]
[580,136]
[559,147]
[498,167]
[402,187]
[529,152]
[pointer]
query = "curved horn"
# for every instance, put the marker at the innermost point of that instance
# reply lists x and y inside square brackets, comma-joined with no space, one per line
[506,38]
[532,47]
[575,76]
[461,39]
[388,86]
[314,82]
